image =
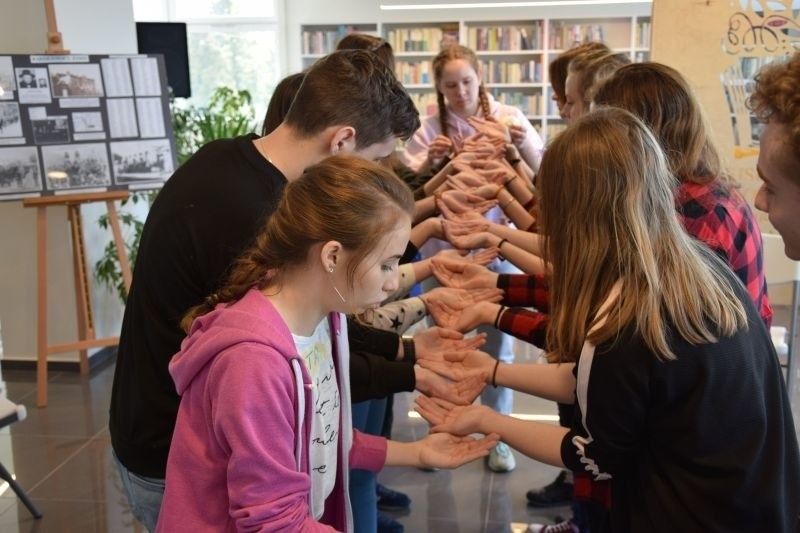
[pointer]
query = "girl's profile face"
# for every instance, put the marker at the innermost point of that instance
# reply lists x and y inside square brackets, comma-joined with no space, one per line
[573,107]
[377,276]
[459,84]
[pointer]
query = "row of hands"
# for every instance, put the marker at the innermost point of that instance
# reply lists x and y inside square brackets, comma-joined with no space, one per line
[451,370]
[490,129]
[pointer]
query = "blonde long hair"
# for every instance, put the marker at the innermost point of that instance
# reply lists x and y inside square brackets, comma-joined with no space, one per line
[607,214]
[450,53]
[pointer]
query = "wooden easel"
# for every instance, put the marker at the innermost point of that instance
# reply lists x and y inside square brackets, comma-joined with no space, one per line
[86,331]
[54,43]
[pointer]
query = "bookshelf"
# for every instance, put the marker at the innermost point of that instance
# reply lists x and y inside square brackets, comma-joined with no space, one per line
[628,35]
[514,54]
[318,40]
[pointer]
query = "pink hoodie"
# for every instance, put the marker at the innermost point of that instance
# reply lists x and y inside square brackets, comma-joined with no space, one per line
[237,460]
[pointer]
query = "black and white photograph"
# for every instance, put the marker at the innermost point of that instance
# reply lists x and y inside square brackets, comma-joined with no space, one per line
[19,170]
[141,160]
[72,80]
[76,166]
[7,85]
[10,124]
[51,130]
[33,85]
[87,122]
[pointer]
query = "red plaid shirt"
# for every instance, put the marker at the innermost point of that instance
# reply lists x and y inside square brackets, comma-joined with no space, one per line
[528,291]
[721,218]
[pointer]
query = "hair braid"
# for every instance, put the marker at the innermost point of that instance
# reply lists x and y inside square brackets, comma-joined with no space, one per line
[483,98]
[442,113]
[248,271]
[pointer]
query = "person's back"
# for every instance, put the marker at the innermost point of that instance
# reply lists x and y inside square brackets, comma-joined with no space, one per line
[196,226]
[712,433]
[206,214]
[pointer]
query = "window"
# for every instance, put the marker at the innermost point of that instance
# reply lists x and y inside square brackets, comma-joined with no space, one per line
[232,43]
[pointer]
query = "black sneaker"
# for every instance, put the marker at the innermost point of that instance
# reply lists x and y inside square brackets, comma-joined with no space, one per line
[387,524]
[391,500]
[557,493]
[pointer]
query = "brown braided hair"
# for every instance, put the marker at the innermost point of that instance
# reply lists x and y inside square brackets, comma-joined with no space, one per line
[344,198]
[449,53]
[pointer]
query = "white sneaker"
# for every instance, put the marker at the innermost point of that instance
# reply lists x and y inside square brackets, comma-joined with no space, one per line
[501,459]
[567,526]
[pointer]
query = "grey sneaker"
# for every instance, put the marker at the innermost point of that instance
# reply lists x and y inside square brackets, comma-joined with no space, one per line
[501,459]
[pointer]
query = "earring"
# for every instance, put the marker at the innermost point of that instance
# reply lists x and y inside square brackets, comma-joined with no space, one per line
[330,269]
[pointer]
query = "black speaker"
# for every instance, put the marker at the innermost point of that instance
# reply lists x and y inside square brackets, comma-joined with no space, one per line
[169,39]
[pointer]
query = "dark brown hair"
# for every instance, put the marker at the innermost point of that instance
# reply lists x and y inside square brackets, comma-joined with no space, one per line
[353,88]
[344,198]
[661,98]
[449,53]
[364,41]
[281,101]
[557,70]
[777,97]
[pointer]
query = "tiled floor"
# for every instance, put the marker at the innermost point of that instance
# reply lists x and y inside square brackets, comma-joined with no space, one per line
[61,456]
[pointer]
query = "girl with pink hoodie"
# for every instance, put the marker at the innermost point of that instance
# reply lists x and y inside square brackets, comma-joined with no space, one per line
[264,440]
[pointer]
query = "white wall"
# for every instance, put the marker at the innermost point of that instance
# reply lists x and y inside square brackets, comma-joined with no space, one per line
[300,12]
[87,26]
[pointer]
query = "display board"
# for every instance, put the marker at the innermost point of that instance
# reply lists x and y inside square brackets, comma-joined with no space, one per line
[719,47]
[83,123]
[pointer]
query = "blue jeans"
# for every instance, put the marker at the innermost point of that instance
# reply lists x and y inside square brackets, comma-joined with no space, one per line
[368,418]
[144,495]
[500,346]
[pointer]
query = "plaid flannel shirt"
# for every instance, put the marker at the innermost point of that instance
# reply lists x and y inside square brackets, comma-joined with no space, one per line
[720,217]
[523,290]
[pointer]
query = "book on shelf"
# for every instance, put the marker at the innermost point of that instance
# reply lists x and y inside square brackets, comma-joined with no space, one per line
[511,71]
[325,41]
[414,72]
[643,35]
[564,35]
[505,38]
[529,104]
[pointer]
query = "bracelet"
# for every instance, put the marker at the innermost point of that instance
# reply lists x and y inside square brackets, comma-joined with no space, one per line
[494,373]
[409,352]
[508,203]
[514,161]
[512,178]
[530,203]
[497,318]
[499,248]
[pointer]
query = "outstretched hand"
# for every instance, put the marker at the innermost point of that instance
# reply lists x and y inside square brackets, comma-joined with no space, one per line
[434,341]
[441,450]
[457,365]
[462,274]
[460,202]
[460,392]
[491,128]
[447,417]
[467,235]
[457,308]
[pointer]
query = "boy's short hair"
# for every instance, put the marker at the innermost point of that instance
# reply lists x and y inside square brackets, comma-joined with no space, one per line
[777,97]
[353,88]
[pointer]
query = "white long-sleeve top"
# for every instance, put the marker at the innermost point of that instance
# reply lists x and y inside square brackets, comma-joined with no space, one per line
[416,150]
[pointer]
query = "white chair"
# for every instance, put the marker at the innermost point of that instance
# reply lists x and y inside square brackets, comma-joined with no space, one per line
[780,269]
